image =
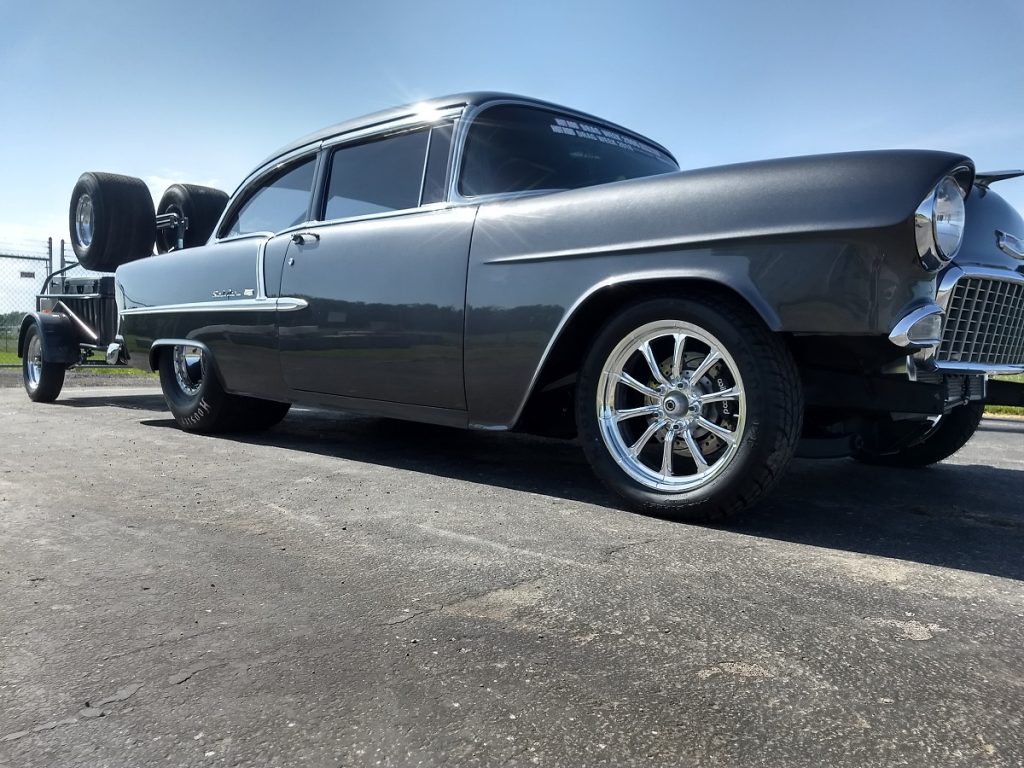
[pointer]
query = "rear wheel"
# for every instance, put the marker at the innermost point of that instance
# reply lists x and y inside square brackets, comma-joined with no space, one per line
[43,381]
[933,441]
[197,399]
[689,407]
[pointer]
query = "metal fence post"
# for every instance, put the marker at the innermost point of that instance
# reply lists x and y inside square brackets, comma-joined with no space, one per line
[49,255]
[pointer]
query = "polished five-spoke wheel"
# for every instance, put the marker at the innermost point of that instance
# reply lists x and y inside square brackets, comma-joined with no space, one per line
[688,406]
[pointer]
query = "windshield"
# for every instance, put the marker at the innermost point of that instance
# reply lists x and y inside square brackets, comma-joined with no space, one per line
[513,148]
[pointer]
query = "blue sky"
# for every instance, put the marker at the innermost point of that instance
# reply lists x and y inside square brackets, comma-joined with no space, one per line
[202,91]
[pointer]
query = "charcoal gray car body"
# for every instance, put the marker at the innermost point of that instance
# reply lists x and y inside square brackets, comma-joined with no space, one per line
[477,310]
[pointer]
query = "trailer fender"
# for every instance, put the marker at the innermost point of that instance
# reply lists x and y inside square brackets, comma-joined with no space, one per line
[58,336]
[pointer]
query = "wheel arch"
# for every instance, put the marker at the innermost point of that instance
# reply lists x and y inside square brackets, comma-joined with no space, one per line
[158,346]
[57,336]
[564,356]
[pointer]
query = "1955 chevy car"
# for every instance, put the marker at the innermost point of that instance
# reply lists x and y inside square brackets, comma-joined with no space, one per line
[496,262]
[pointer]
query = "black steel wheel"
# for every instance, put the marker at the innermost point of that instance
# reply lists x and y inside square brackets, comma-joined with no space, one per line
[112,220]
[202,206]
[689,407]
[43,381]
[930,443]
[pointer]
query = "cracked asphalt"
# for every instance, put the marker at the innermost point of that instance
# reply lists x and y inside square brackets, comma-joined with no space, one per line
[346,591]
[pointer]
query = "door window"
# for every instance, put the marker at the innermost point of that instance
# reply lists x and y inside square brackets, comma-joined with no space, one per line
[376,177]
[278,203]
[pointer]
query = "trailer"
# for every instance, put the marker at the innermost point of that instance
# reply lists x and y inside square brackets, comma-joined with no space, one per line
[75,323]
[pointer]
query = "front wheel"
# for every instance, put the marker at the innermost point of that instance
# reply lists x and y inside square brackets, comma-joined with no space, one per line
[934,442]
[689,408]
[43,381]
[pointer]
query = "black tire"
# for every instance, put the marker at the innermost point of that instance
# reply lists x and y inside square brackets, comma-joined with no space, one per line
[43,381]
[771,417]
[261,415]
[123,220]
[202,206]
[936,442]
[205,406]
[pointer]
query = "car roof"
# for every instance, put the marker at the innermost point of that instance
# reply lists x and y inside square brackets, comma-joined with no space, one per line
[469,99]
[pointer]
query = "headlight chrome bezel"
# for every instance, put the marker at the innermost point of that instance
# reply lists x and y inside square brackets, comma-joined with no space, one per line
[928,218]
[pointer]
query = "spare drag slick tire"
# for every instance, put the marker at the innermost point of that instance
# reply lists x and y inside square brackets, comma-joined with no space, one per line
[112,220]
[202,206]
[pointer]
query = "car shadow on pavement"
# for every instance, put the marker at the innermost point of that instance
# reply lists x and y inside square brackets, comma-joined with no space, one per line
[147,402]
[957,515]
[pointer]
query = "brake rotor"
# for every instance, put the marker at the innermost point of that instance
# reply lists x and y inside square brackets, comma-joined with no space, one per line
[706,441]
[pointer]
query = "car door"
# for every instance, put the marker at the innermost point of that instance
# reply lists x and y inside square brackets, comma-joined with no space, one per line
[383,275]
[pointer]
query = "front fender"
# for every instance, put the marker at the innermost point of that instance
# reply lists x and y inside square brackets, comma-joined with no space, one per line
[57,334]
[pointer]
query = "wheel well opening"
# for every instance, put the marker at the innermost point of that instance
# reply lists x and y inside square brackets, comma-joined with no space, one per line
[550,408]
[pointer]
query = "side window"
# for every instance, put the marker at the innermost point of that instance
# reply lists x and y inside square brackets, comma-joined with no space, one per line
[376,177]
[279,203]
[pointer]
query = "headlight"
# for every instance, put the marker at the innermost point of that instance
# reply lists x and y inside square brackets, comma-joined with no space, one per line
[939,224]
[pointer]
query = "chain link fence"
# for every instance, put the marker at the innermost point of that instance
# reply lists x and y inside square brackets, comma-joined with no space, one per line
[23,270]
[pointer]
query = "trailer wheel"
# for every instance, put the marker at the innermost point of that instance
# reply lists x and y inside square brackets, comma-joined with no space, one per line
[202,206]
[112,220]
[43,381]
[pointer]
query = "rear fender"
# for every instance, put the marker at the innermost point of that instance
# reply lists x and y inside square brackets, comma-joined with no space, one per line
[58,336]
[160,345]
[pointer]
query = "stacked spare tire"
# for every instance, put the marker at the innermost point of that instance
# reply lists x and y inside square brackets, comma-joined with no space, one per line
[113,221]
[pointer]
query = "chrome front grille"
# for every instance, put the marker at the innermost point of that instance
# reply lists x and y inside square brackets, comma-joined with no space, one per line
[984,323]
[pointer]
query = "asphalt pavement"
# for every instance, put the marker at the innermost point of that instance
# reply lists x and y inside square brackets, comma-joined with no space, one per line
[345,591]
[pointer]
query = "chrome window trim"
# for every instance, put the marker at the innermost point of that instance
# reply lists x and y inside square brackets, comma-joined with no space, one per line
[429,207]
[400,125]
[265,235]
[257,176]
[426,160]
[379,132]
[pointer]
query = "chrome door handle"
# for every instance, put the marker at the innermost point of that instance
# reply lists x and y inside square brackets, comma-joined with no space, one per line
[300,238]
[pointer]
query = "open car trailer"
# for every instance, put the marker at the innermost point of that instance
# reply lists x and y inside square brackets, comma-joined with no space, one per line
[76,319]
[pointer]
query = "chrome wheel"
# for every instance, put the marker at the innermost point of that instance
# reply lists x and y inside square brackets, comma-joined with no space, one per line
[33,363]
[84,220]
[671,406]
[189,369]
